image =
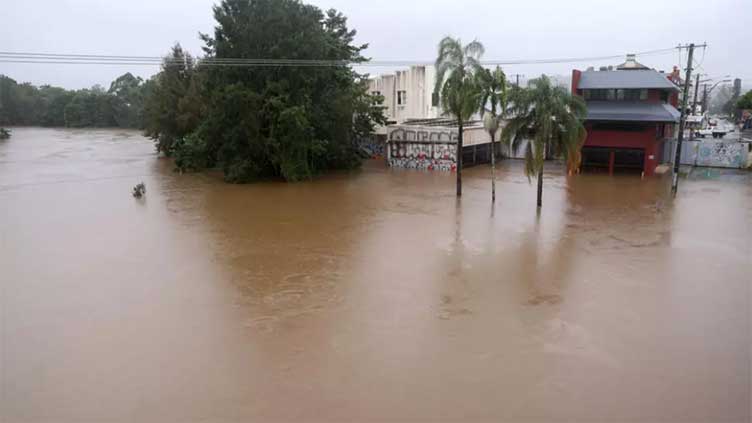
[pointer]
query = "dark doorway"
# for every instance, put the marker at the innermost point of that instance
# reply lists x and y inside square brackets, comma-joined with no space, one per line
[606,159]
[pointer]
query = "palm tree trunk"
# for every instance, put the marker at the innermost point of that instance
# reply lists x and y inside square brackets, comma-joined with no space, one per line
[459,159]
[493,168]
[540,187]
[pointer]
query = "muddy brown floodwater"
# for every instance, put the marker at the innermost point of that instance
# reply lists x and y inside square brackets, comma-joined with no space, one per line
[371,295]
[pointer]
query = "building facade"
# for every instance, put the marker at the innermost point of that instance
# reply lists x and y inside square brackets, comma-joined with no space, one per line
[632,111]
[408,94]
[431,144]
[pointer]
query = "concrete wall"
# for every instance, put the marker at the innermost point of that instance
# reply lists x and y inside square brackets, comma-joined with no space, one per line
[706,153]
[419,147]
[435,148]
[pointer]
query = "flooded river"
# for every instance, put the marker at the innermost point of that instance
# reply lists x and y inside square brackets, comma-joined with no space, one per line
[371,295]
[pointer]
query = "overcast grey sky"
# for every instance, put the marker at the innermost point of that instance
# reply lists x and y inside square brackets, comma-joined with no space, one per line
[395,29]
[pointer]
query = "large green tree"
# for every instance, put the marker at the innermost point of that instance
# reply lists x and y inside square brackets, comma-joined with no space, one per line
[493,104]
[172,106]
[545,117]
[127,100]
[90,108]
[281,121]
[54,101]
[456,67]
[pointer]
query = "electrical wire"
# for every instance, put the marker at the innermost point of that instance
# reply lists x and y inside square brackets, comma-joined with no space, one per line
[702,60]
[91,59]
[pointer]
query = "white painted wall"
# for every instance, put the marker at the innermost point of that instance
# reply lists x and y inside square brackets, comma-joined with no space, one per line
[418,83]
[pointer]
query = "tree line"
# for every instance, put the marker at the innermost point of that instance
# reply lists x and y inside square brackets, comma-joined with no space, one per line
[293,122]
[250,122]
[28,105]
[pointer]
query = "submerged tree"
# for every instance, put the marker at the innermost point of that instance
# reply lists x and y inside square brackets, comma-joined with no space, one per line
[493,104]
[127,99]
[168,116]
[273,121]
[4,134]
[456,67]
[26,104]
[546,117]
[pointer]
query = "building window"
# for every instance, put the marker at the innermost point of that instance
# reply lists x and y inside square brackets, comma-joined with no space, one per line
[664,96]
[401,98]
[619,127]
[599,94]
[435,99]
[632,94]
[617,94]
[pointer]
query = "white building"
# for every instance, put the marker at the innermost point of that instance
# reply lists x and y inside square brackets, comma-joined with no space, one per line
[417,134]
[408,94]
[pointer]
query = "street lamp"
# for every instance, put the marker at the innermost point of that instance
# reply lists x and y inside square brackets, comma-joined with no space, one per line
[716,84]
[708,91]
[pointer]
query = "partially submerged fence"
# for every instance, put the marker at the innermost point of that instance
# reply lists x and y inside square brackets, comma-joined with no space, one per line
[711,153]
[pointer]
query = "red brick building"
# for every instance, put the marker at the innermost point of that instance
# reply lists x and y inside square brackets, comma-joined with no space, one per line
[631,113]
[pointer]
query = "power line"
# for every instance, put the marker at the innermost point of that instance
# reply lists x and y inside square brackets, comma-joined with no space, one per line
[91,59]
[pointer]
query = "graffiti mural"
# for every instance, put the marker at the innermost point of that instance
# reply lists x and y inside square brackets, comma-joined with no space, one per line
[722,154]
[422,148]
[705,153]
[374,145]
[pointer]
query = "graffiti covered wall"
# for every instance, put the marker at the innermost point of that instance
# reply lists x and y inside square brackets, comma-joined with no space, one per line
[417,147]
[726,154]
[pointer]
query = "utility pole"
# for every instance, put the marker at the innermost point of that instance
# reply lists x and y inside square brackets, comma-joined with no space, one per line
[683,118]
[517,77]
[704,98]
[694,103]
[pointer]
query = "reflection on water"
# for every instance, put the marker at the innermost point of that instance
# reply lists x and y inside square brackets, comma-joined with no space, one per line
[372,294]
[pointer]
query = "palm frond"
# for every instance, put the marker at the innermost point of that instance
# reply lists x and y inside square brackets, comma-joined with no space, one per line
[554,119]
[456,67]
[474,50]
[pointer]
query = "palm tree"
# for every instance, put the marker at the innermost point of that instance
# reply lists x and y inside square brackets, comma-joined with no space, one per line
[493,92]
[456,67]
[551,119]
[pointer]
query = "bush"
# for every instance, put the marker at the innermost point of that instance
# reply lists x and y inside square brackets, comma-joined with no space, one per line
[191,153]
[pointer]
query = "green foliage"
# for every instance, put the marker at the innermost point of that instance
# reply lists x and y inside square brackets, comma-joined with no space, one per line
[459,88]
[262,122]
[173,103]
[550,118]
[90,108]
[492,86]
[27,105]
[493,93]
[127,101]
[745,101]
[191,153]
[456,67]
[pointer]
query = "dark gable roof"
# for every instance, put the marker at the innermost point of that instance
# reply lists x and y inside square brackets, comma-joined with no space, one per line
[631,111]
[629,79]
